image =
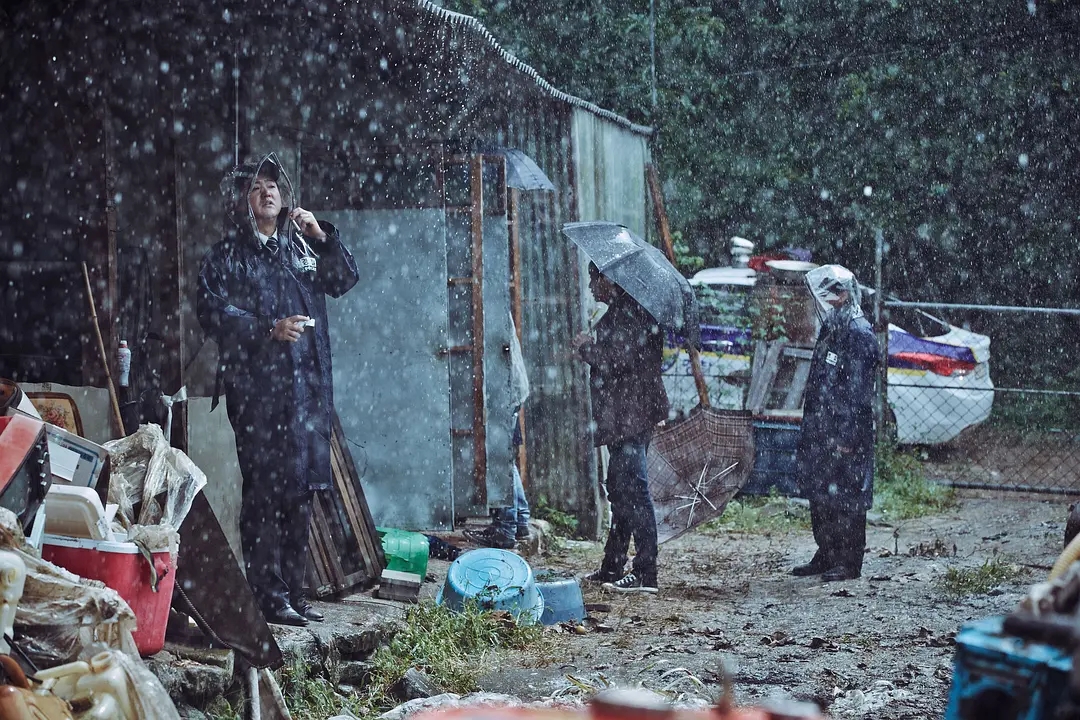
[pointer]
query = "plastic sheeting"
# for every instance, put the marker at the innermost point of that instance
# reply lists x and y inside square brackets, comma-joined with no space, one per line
[152,478]
[61,614]
[148,696]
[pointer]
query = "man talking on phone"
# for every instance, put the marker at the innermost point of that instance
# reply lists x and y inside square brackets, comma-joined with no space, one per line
[262,298]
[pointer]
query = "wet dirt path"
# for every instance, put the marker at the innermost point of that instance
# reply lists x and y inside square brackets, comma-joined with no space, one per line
[879,646]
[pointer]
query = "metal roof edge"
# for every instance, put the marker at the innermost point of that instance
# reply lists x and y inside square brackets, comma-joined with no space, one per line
[474,25]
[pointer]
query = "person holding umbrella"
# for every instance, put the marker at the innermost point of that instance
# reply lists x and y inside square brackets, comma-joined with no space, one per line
[645,294]
[628,400]
[835,455]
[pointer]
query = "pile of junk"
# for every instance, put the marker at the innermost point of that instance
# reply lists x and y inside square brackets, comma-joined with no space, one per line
[1024,665]
[91,567]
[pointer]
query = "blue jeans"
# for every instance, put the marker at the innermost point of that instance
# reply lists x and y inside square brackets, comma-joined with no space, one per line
[632,513]
[508,520]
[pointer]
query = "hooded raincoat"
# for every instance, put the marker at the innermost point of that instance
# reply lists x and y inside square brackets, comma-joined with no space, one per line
[835,456]
[243,291]
[279,395]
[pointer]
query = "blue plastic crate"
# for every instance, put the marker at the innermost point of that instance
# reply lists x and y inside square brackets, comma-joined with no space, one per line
[997,675]
[774,458]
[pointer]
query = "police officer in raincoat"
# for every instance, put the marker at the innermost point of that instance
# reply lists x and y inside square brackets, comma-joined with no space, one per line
[262,298]
[835,455]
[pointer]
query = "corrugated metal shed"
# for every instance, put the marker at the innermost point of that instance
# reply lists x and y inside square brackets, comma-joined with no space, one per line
[156,97]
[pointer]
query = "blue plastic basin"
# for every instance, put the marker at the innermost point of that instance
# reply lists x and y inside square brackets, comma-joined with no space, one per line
[495,580]
[562,597]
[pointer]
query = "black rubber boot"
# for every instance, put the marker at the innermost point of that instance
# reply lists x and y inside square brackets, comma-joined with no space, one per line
[817,565]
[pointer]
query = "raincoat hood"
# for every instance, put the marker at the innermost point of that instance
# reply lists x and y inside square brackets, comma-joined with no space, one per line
[237,183]
[827,285]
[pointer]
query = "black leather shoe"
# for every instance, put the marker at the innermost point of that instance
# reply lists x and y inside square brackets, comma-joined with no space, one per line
[305,608]
[816,566]
[840,573]
[286,616]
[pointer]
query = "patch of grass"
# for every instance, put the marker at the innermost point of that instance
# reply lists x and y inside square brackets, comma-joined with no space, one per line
[958,583]
[222,709]
[453,649]
[561,523]
[308,696]
[761,515]
[901,490]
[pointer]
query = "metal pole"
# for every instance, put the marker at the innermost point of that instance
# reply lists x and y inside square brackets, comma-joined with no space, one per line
[652,54]
[254,702]
[882,330]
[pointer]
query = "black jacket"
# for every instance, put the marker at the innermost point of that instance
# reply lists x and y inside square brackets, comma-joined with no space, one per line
[628,395]
[838,411]
[279,394]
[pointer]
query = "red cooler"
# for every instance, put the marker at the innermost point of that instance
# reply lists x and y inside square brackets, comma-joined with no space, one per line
[121,566]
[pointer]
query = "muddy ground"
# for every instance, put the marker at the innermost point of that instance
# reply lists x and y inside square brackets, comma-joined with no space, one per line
[880,646]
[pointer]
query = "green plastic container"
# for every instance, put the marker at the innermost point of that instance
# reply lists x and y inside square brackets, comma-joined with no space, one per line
[405,551]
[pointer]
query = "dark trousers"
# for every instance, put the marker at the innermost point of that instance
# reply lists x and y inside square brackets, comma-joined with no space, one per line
[274,537]
[840,533]
[632,513]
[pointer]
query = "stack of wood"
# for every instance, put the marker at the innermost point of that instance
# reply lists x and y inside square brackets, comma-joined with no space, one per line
[344,548]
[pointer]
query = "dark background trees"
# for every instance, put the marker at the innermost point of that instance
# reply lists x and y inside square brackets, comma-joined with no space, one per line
[950,126]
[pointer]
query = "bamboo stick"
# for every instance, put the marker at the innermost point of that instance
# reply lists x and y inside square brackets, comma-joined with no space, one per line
[669,250]
[101,349]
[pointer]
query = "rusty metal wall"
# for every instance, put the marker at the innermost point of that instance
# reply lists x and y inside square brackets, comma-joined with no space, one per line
[561,464]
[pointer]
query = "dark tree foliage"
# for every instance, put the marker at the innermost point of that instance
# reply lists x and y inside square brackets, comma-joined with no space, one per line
[948,125]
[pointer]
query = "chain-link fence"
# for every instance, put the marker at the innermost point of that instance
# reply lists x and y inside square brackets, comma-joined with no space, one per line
[987,396]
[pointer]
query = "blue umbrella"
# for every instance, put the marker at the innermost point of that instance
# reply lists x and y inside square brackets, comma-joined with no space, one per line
[643,272]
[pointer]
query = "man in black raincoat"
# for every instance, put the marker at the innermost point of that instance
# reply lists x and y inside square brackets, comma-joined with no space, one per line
[262,297]
[628,399]
[835,455]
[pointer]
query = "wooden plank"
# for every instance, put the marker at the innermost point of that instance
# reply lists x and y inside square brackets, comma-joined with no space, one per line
[802,353]
[320,582]
[761,382]
[367,534]
[794,396]
[476,175]
[363,529]
[324,583]
[328,583]
[330,547]
[760,347]
[352,512]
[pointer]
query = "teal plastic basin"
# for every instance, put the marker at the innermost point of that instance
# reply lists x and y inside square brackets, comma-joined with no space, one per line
[495,580]
[563,601]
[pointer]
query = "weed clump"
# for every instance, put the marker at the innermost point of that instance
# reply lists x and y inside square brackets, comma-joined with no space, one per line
[452,648]
[958,583]
[901,490]
[562,524]
[761,515]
